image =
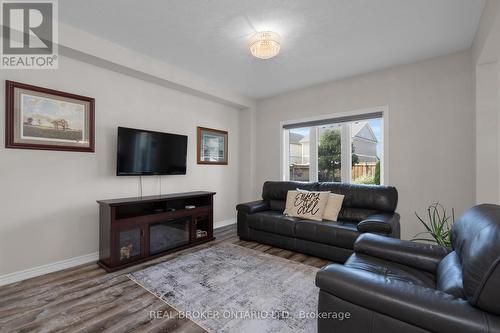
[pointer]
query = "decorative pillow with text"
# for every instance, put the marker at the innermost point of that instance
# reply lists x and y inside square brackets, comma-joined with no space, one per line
[306,205]
[290,195]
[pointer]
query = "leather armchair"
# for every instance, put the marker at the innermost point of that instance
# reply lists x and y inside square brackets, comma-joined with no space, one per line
[390,285]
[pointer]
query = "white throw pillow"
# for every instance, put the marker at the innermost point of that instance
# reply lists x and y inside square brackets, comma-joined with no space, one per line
[333,207]
[307,205]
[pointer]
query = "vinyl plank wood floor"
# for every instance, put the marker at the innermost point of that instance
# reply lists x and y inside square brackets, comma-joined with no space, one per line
[87,299]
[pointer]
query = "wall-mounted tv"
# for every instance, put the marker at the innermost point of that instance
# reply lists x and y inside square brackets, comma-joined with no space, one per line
[142,152]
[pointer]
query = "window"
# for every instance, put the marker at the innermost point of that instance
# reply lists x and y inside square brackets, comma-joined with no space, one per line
[330,153]
[298,153]
[346,149]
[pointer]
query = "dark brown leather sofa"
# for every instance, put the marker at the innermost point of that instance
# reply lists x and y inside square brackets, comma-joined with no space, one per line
[366,208]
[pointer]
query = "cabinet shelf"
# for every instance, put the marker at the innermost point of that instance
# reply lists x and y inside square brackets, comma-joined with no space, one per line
[161,215]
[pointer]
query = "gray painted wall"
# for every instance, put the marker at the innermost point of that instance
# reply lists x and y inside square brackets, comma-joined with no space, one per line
[431,144]
[60,188]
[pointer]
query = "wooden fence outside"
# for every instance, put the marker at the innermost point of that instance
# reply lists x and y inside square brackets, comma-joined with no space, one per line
[363,170]
[301,172]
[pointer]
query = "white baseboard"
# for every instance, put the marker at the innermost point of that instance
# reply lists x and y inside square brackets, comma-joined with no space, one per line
[68,263]
[48,268]
[223,223]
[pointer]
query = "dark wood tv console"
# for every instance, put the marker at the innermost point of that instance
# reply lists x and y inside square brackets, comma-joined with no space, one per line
[138,229]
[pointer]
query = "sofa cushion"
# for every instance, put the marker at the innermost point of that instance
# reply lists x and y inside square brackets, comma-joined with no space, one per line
[276,190]
[277,205]
[273,222]
[355,214]
[391,270]
[337,233]
[379,198]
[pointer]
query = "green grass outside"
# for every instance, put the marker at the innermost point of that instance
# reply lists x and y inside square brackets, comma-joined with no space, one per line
[50,133]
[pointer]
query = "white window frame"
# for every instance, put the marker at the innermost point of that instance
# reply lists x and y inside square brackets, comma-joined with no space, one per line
[346,140]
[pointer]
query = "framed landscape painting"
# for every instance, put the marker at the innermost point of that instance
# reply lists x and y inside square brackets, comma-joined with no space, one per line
[40,118]
[212,146]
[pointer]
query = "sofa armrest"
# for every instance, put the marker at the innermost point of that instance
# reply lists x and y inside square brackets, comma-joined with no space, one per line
[426,308]
[384,223]
[418,255]
[253,207]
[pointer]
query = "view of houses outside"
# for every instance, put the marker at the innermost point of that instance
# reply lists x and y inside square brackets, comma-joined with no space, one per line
[299,153]
[366,148]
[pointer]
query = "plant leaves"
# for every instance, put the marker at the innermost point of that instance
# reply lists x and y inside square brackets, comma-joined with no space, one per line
[422,221]
[438,226]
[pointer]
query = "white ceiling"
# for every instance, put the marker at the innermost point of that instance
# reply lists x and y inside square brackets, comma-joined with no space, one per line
[323,40]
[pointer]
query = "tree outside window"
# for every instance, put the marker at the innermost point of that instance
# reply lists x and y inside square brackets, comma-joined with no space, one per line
[329,155]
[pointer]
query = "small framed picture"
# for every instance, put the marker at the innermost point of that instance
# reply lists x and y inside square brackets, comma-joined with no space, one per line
[41,118]
[212,146]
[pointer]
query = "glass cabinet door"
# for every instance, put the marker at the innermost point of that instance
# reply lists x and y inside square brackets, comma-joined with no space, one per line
[202,227]
[168,235]
[129,244]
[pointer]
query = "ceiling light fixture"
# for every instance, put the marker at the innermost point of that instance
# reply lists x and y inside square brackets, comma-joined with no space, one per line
[265,44]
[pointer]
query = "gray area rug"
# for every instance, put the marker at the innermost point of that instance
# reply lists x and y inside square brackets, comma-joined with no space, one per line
[229,288]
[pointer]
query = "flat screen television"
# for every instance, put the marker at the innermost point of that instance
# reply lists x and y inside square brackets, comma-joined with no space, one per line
[142,152]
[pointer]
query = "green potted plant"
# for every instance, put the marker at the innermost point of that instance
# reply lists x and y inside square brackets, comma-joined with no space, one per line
[438,226]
